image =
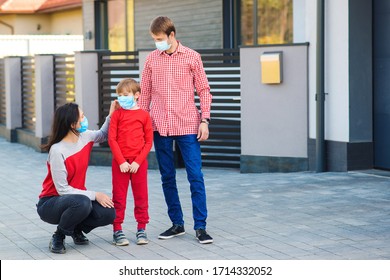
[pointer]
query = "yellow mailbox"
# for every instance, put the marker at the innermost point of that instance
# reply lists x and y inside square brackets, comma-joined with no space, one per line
[271,67]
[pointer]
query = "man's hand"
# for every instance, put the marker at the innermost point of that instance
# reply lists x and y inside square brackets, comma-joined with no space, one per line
[203,132]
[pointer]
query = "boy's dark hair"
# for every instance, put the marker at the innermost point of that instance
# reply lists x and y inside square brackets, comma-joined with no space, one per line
[127,85]
[162,24]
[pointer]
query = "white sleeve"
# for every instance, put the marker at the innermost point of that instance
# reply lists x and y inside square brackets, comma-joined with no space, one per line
[59,174]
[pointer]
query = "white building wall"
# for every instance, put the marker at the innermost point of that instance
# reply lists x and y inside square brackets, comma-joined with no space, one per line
[89,24]
[311,25]
[25,45]
[336,69]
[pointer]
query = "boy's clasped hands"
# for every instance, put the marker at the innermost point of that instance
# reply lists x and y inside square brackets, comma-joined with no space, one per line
[127,167]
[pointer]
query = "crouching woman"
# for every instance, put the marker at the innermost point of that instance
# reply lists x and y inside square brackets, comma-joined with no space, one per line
[64,200]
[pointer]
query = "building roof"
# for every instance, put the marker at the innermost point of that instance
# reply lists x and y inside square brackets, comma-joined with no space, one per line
[55,5]
[2,2]
[21,6]
[36,6]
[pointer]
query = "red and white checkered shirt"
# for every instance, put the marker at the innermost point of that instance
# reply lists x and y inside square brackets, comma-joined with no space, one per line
[167,91]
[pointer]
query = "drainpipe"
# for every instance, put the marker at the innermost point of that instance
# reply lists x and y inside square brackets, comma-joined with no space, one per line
[320,89]
[8,25]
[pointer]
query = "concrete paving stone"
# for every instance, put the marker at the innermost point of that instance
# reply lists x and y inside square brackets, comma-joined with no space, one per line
[200,254]
[281,216]
[18,255]
[167,254]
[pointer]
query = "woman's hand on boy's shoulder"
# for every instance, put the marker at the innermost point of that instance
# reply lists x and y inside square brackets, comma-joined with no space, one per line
[114,106]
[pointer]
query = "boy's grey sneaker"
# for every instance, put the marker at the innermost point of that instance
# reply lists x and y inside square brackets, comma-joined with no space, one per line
[173,231]
[142,238]
[203,237]
[119,238]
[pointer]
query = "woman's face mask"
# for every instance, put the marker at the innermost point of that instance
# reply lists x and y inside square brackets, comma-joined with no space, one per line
[83,125]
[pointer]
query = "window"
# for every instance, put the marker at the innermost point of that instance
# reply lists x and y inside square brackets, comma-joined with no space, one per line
[121,25]
[266,22]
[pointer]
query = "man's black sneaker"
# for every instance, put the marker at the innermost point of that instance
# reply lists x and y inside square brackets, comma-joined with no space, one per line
[175,230]
[203,236]
[79,238]
[57,243]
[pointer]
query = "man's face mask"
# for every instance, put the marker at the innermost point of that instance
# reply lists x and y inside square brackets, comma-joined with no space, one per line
[163,45]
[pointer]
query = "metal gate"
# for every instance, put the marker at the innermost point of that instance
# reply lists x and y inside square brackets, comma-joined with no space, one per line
[28,93]
[222,67]
[2,94]
[113,67]
[64,80]
[223,148]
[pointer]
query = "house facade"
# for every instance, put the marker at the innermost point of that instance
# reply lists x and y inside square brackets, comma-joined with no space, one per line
[281,125]
[41,17]
[356,116]
[40,26]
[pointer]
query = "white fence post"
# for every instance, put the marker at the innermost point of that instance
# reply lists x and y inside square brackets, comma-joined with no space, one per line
[13,94]
[142,55]
[44,94]
[86,85]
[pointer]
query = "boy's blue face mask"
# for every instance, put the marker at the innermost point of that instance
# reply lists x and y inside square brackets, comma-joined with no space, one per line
[126,102]
[84,125]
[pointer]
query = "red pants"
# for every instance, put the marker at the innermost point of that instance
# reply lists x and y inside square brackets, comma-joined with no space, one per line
[139,186]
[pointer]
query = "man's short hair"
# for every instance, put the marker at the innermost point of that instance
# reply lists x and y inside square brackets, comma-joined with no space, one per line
[162,24]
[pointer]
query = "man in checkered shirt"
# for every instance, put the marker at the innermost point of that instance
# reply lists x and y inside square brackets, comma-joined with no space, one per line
[171,74]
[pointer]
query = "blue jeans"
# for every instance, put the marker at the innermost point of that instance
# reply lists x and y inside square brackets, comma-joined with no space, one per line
[74,211]
[190,151]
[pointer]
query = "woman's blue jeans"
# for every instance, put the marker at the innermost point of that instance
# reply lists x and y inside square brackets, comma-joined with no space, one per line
[74,211]
[190,151]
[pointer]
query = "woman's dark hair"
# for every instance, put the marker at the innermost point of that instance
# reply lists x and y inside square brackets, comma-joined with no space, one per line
[64,117]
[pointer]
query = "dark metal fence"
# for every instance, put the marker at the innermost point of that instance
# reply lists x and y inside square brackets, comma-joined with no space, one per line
[222,67]
[223,148]
[113,67]
[2,93]
[28,93]
[64,80]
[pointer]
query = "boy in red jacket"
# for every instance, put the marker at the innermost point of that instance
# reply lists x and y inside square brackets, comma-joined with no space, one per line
[130,138]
